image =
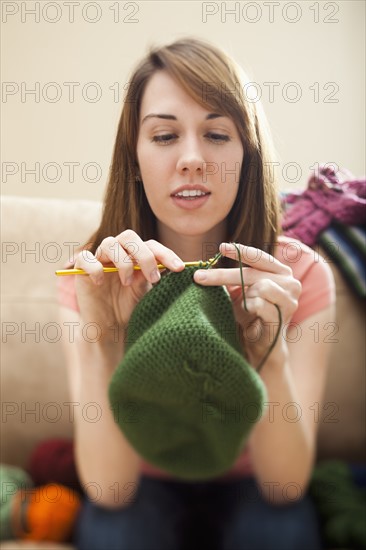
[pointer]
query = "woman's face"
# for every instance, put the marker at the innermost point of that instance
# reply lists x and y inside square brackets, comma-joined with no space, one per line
[190,161]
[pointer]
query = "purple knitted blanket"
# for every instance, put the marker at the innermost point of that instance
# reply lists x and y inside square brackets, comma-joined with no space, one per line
[330,196]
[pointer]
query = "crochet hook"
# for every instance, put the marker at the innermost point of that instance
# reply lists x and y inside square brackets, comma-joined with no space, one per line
[211,261]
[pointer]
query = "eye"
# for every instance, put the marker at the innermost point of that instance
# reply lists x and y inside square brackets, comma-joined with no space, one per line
[217,137]
[164,139]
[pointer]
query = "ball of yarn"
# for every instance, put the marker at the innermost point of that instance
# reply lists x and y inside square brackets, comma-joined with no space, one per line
[50,512]
[12,479]
[340,503]
[53,461]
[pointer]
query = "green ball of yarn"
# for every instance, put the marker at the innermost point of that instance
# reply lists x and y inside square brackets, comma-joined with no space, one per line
[12,479]
[347,529]
[341,505]
[184,396]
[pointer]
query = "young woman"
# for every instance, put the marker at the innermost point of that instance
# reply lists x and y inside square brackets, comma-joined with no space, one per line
[192,174]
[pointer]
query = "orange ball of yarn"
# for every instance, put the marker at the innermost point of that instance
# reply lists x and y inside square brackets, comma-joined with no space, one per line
[50,512]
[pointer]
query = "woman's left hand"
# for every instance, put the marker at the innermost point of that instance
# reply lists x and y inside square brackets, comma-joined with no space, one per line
[267,282]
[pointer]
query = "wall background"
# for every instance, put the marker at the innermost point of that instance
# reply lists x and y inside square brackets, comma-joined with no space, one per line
[76,56]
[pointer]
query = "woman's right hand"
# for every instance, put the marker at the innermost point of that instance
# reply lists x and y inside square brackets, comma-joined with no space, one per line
[108,299]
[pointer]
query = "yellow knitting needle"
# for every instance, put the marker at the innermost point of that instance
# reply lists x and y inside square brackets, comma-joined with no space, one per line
[211,261]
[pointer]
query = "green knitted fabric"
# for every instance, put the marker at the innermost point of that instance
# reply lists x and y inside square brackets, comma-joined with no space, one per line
[184,396]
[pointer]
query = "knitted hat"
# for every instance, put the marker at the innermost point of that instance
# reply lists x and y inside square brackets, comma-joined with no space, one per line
[184,396]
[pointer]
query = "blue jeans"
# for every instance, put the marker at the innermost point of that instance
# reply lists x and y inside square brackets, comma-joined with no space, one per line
[175,515]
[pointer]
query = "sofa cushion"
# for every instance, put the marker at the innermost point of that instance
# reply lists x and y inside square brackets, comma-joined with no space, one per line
[342,428]
[37,238]
[35,400]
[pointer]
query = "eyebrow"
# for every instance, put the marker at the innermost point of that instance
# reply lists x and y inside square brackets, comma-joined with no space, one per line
[210,116]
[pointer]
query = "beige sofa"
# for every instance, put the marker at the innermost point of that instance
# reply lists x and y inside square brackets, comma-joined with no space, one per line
[38,235]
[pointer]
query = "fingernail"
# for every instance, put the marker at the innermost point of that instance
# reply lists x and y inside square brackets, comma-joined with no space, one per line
[178,263]
[201,275]
[155,276]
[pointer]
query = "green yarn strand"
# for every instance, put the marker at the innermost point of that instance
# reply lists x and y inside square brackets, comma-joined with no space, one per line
[211,264]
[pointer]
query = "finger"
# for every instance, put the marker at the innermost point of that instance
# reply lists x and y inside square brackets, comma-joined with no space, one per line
[259,300]
[236,293]
[124,251]
[111,251]
[146,254]
[269,291]
[263,309]
[165,256]
[231,276]
[218,277]
[255,257]
[88,262]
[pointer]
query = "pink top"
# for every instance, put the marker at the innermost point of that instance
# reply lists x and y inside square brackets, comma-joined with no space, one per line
[318,292]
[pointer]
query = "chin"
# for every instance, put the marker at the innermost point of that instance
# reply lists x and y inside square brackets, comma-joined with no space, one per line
[191,230]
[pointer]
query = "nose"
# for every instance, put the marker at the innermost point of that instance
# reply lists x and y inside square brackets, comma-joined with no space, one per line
[191,160]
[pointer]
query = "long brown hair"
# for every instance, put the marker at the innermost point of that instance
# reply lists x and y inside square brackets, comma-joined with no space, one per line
[214,81]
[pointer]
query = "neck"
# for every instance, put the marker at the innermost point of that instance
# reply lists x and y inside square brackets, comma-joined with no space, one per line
[193,247]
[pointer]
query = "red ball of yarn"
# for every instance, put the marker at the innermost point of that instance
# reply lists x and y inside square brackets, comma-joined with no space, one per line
[52,461]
